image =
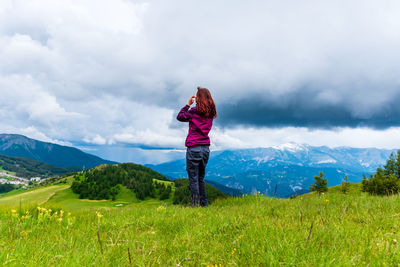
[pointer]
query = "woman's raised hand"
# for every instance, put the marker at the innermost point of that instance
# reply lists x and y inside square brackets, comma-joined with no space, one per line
[191,100]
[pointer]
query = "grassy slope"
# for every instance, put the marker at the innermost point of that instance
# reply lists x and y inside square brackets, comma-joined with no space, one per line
[354,229]
[38,196]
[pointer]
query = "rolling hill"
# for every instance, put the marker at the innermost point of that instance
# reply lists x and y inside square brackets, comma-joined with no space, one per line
[61,156]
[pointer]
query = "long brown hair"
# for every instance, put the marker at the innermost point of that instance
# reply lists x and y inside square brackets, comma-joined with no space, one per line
[205,103]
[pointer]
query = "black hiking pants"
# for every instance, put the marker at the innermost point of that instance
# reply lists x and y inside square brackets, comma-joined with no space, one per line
[196,162]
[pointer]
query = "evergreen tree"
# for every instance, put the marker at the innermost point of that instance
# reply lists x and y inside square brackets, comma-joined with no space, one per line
[398,165]
[345,185]
[386,180]
[391,166]
[320,184]
[365,183]
[114,192]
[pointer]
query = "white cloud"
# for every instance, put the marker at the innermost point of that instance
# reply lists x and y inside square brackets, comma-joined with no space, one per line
[25,101]
[108,71]
[97,140]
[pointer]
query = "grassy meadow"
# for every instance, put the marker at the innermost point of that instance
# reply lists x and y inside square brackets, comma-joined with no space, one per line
[331,229]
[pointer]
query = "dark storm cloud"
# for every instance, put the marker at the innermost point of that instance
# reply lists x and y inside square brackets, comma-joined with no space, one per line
[303,109]
[117,71]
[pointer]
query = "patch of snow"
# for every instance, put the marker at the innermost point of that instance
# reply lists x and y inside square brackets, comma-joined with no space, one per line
[292,147]
[295,188]
[364,164]
[262,159]
[330,160]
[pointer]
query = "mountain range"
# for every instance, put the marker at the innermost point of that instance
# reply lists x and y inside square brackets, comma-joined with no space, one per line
[62,156]
[289,168]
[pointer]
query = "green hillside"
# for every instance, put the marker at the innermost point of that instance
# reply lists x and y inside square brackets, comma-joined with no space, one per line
[37,196]
[332,229]
[105,182]
[27,168]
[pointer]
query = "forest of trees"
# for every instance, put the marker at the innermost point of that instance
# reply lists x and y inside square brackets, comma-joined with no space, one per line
[386,180]
[104,181]
[4,188]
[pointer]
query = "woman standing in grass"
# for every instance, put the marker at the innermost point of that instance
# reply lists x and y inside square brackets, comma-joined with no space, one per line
[200,120]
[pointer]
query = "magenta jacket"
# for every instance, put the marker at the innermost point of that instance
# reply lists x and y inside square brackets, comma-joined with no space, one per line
[199,126]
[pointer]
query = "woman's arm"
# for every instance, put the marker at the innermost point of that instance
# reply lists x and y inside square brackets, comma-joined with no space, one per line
[184,114]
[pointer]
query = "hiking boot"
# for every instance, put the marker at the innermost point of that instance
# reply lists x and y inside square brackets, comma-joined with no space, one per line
[203,202]
[195,201]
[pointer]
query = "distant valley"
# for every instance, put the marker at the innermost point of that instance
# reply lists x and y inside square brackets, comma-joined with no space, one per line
[289,168]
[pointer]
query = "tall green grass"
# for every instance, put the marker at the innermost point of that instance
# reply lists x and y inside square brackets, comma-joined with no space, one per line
[347,230]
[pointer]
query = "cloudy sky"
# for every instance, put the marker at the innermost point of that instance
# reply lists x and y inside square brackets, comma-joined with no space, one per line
[109,76]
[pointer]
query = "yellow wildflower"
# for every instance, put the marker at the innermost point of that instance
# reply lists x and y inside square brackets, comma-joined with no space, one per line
[99,215]
[161,208]
[24,233]
[14,213]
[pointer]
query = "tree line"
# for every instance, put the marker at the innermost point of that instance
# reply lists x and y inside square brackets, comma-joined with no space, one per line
[386,180]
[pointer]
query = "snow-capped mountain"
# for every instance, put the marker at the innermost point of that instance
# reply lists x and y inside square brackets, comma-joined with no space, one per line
[291,167]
